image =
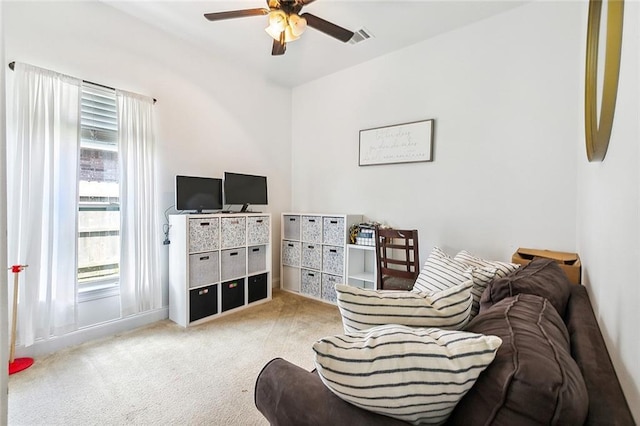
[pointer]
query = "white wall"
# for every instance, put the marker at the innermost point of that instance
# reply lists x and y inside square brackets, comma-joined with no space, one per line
[211,116]
[609,221]
[504,94]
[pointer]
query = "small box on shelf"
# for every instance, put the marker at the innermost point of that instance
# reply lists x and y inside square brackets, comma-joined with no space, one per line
[366,237]
[362,234]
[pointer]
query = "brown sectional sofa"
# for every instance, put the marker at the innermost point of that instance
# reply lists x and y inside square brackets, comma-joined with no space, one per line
[552,368]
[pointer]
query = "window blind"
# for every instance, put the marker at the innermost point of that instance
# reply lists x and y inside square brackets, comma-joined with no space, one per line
[98,116]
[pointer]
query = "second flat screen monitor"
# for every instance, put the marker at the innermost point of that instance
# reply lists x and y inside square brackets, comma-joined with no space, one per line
[245,189]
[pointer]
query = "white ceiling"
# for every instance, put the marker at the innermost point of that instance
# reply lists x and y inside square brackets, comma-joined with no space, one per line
[393,24]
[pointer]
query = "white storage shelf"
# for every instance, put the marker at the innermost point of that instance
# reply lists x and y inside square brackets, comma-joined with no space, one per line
[361,266]
[314,253]
[217,263]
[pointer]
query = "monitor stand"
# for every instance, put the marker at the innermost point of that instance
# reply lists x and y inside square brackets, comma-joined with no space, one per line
[244,209]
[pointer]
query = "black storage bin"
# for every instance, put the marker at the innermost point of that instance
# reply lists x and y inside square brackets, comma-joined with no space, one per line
[203,302]
[257,287]
[232,294]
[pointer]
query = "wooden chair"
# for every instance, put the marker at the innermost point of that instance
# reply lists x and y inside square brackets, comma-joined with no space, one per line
[397,258]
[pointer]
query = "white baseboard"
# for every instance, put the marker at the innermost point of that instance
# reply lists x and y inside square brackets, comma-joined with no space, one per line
[44,347]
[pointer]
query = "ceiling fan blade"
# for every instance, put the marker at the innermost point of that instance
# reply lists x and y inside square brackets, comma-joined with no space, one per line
[219,16]
[279,46]
[327,27]
[304,2]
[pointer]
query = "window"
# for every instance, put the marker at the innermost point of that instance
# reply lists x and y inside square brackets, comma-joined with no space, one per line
[98,190]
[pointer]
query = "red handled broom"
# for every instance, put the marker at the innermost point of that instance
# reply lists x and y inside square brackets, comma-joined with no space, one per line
[16,364]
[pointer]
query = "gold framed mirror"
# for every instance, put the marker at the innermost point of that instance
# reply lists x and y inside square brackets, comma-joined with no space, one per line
[598,131]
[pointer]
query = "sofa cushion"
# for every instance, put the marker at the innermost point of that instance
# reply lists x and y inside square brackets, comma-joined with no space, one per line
[361,309]
[533,379]
[542,277]
[413,374]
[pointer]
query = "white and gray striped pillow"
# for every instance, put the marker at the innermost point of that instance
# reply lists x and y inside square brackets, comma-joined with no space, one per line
[415,375]
[362,309]
[503,268]
[481,279]
[440,271]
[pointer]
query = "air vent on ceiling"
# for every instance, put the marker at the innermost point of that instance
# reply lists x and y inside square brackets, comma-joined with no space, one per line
[361,35]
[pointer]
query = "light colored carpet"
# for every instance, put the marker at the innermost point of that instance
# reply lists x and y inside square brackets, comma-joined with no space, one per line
[166,375]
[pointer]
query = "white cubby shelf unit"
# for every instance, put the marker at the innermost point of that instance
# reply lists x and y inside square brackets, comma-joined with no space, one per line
[314,255]
[218,263]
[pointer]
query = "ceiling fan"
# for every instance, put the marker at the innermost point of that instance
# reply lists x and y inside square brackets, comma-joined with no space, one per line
[286,24]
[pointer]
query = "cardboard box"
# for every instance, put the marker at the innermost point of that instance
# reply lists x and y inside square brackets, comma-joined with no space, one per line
[569,262]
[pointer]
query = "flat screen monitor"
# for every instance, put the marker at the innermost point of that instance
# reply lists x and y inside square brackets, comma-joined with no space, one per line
[198,193]
[244,189]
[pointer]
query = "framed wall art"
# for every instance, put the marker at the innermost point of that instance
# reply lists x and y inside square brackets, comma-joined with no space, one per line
[398,143]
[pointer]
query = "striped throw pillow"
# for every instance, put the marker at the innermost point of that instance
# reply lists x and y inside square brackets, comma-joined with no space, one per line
[440,271]
[362,309]
[415,375]
[481,279]
[502,268]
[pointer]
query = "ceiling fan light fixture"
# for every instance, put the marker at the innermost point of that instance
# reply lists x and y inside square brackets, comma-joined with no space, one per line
[297,24]
[285,22]
[278,20]
[289,35]
[292,25]
[273,33]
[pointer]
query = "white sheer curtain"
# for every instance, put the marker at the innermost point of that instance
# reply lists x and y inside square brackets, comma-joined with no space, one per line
[140,287]
[42,169]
